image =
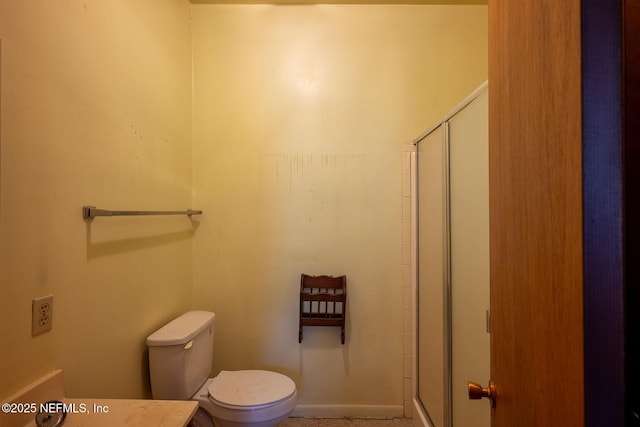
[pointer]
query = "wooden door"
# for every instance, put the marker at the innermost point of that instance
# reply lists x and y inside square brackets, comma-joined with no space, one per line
[536,213]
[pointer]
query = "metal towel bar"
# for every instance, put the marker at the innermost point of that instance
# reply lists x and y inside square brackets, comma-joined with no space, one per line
[90,212]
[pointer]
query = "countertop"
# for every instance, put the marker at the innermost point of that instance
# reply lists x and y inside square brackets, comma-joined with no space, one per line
[129,412]
[20,409]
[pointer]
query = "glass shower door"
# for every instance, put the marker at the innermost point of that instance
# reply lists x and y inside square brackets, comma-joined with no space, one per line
[431,322]
[469,259]
[453,343]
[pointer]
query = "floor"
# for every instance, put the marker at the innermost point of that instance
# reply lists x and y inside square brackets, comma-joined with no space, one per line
[346,422]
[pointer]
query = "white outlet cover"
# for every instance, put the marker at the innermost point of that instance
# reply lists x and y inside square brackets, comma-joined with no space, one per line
[41,314]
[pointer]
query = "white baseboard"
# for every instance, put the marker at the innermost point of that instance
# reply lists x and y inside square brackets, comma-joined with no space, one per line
[348,411]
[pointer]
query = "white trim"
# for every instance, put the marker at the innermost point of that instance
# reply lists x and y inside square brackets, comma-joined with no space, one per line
[348,411]
[418,415]
[419,418]
[414,275]
[453,112]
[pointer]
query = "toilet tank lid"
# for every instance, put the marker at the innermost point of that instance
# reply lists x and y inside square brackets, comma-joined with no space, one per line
[182,329]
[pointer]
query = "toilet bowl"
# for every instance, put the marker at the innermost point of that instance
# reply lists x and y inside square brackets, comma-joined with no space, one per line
[253,397]
[180,356]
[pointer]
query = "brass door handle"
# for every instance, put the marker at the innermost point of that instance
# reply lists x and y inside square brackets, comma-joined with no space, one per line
[476,391]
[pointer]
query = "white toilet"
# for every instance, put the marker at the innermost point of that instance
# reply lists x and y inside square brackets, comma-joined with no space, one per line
[180,355]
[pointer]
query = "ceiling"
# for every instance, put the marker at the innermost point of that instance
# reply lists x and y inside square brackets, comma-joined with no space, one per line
[401,2]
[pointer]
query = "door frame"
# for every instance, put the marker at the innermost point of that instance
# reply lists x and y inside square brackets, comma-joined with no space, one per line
[603,211]
[631,113]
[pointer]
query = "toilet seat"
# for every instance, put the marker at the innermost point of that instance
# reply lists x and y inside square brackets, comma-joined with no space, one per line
[250,389]
[282,393]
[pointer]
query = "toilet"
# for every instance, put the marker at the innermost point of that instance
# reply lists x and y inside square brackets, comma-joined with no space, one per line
[180,356]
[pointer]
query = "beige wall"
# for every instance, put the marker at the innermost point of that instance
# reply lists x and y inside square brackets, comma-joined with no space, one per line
[96,109]
[300,116]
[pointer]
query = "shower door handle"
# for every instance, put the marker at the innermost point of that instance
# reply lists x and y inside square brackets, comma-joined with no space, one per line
[476,391]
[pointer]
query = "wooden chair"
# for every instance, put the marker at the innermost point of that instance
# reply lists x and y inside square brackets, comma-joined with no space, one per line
[323,302]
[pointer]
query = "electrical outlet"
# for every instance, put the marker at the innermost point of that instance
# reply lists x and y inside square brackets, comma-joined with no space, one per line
[41,314]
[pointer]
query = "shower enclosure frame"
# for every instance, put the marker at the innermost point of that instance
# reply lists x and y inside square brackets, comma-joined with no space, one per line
[420,413]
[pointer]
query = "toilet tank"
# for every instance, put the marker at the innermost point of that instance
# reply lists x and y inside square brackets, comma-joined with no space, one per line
[180,355]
